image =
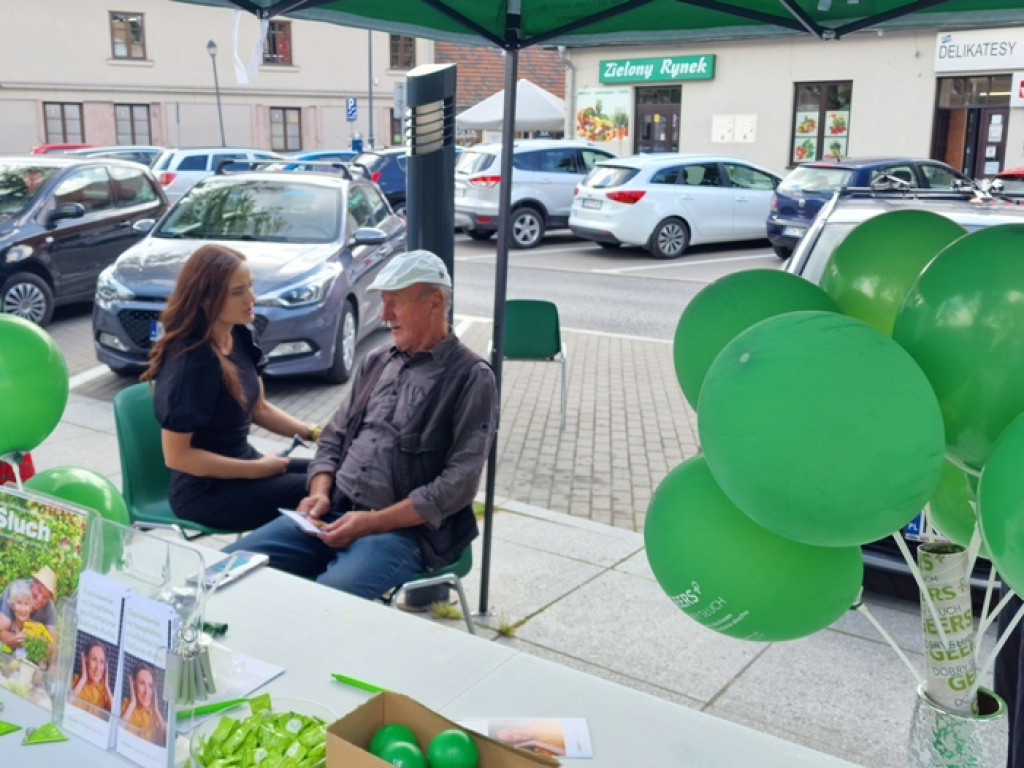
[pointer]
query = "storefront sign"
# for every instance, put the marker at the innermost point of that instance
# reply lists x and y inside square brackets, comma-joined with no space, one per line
[979,50]
[666,69]
[1017,90]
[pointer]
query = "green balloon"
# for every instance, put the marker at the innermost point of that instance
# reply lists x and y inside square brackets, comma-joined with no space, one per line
[1001,505]
[821,428]
[390,733]
[872,269]
[93,491]
[963,322]
[33,384]
[733,576]
[730,305]
[952,506]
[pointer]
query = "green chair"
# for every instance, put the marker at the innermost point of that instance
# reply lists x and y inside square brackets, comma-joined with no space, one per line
[532,332]
[145,478]
[451,575]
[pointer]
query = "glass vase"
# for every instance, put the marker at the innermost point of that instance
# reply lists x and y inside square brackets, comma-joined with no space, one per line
[943,739]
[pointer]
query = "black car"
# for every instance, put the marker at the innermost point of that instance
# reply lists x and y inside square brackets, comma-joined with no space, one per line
[386,167]
[62,220]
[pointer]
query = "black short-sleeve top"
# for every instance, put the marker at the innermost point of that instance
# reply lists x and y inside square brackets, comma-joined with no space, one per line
[190,395]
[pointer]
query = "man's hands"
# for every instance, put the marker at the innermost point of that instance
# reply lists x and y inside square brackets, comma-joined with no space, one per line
[346,529]
[314,505]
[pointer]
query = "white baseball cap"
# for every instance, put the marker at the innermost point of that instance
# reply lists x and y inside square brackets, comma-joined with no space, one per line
[410,268]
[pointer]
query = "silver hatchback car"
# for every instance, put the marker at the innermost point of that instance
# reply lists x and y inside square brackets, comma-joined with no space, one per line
[314,242]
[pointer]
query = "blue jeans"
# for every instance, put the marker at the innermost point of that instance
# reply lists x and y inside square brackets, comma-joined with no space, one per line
[368,568]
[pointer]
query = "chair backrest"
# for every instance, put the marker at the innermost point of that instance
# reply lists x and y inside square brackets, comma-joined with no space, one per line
[531,329]
[145,478]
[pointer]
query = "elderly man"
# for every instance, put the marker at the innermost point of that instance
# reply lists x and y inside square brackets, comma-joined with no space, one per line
[43,588]
[396,469]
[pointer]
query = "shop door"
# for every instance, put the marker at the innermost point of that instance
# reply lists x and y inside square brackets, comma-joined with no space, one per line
[970,124]
[657,119]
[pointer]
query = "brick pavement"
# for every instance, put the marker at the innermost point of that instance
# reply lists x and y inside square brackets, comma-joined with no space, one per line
[627,422]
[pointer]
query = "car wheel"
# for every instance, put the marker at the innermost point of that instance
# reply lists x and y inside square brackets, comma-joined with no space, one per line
[670,238]
[782,251]
[399,207]
[526,227]
[608,246]
[27,296]
[479,234]
[344,348]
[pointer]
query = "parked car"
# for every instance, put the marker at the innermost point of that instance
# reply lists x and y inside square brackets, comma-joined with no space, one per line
[667,202]
[56,149]
[313,242]
[545,173]
[809,186]
[146,154]
[885,567]
[178,169]
[325,155]
[1011,181]
[386,168]
[62,220]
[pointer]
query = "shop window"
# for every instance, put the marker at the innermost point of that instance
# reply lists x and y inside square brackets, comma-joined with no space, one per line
[277,48]
[403,52]
[63,123]
[132,123]
[127,35]
[821,121]
[285,129]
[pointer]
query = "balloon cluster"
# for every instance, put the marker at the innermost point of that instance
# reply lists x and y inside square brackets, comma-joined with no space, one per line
[829,416]
[33,394]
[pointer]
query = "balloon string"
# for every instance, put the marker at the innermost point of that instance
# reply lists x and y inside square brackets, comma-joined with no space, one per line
[986,619]
[916,573]
[863,609]
[990,662]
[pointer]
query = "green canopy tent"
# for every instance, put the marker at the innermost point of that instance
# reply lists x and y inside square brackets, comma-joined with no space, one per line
[516,24]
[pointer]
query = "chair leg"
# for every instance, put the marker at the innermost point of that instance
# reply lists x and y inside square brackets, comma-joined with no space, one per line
[431,581]
[465,605]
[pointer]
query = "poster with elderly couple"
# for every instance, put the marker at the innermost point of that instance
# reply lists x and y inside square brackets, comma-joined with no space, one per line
[40,563]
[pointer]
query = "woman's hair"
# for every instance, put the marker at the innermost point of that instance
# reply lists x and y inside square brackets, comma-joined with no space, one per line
[20,589]
[198,298]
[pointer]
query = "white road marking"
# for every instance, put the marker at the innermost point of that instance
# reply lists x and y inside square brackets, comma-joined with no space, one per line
[695,263]
[465,321]
[86,376]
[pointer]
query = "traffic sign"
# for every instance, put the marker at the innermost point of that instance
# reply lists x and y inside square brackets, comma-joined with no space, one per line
[350,109]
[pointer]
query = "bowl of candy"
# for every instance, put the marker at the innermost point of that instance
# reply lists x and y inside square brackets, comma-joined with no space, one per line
[263,728]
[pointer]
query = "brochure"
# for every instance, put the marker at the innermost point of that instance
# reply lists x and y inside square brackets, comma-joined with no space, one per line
[95,672]
[307,524]
[560,737]
[41,544]
[148,631]
[231,568]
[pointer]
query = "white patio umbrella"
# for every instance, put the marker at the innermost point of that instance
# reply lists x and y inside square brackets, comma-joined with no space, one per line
[536,110]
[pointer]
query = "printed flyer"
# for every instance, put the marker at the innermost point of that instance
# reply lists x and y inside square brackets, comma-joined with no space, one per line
[40,562]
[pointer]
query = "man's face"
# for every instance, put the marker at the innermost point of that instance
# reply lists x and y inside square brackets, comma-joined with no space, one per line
[411,313]
[40,595]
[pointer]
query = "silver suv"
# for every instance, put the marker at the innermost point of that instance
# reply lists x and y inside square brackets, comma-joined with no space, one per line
[546,171]
[178,169]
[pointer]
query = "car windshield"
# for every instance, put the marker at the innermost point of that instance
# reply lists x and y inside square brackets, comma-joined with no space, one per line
[814,178]
[260,210]
[473,161]
[608,176]
[20,183]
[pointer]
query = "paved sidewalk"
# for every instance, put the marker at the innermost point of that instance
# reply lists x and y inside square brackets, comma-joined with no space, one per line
[569,578]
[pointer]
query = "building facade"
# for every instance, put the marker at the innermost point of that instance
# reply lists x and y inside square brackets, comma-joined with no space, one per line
[140,72]
[952,95]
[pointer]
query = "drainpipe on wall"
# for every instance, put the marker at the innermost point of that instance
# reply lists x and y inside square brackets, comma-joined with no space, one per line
[570,94]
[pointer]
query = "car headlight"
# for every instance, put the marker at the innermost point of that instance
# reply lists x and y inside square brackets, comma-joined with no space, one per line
[312,290]
[109,289]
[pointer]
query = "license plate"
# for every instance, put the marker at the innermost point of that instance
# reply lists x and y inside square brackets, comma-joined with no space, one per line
[793,231]
[590,203]
[156,330]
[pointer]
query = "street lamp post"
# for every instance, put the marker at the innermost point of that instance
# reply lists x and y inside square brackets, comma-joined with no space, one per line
[211,48]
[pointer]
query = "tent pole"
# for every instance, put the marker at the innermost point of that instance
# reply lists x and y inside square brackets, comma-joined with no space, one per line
[500,285]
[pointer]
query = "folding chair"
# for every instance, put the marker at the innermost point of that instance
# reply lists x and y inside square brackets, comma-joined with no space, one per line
[450,574]
[145,478]
[532,332]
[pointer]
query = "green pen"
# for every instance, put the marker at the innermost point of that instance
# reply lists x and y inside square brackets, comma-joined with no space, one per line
[355,683]
[207,709]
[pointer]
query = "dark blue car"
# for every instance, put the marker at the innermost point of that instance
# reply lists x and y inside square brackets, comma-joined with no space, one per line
[810,185]
[386,167]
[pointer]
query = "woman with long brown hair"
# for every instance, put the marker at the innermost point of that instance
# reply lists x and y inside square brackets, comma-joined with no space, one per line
[208,393]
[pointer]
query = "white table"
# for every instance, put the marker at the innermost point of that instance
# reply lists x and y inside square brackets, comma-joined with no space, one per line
[314,631]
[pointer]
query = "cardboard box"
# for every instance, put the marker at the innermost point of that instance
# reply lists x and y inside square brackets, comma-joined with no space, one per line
[348,738]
